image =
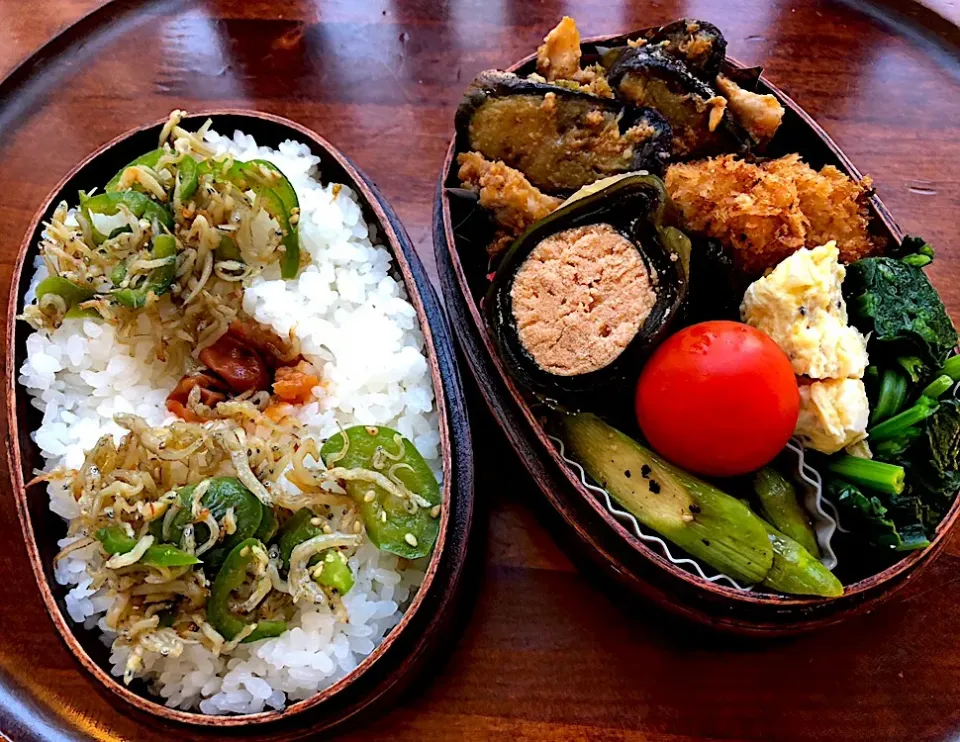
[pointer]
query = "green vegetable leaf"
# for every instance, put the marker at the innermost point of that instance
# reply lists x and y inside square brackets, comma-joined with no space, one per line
[882,520]
[897,304]
[913,247]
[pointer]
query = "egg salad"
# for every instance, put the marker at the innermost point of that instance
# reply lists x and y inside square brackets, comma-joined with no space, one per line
[799,304]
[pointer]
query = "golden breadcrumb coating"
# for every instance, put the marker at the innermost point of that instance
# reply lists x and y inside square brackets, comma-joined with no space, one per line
[759,114]
[512,200]
[835,204]
[558,58]
[769,211]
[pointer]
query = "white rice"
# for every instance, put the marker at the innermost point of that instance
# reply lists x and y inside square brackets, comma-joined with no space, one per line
[356,325]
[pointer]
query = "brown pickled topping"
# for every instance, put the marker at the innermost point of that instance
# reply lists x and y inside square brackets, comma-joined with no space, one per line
[557,143]
[212,391]
[239,365]
[580,298]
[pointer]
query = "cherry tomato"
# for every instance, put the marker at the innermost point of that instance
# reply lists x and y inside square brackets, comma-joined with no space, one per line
[718,398]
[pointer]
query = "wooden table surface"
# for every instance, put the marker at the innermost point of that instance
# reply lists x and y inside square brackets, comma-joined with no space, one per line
[544,651]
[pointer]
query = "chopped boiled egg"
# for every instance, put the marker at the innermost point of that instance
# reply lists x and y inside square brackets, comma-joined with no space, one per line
[800,306]
[833,414]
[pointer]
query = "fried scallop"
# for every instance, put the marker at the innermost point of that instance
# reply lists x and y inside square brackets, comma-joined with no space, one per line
[766,212]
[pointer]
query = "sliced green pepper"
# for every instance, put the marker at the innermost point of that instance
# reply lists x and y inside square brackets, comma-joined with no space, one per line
[159,280]
[231,576]
[116,541]
[109,204]
[188,178]
[72,293]
[299,528]
[296,530]
[279,199]
[268,525]
[150,160]
[388,521]
[335,572]
[222,494]
[118,273]
[227,249]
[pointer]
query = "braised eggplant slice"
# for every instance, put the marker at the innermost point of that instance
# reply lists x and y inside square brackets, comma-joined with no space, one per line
[647,76]
[587,292]
[560,139]
[699,44]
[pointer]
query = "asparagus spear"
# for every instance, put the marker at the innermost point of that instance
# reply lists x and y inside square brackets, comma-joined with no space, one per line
[796,571]
[709,524]
[779,505]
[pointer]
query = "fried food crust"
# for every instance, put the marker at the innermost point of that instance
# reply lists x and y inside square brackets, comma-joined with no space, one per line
[766,212]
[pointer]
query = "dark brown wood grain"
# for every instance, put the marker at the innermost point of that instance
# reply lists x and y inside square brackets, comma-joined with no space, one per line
[544,649]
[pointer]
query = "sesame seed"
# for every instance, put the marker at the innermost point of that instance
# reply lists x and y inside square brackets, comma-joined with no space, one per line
[383,515]
[369,497]
[410,539]
[357,527]
[327,528]
[435,511]
[315,521]
[372,429]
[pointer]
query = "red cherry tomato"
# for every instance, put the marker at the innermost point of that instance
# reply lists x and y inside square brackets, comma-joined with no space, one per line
[718,398]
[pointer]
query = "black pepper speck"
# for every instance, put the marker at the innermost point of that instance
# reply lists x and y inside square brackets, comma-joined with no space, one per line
[627,474]
[645,471]
[654,486]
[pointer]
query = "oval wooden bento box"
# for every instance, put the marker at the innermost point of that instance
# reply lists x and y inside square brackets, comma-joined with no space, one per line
[402,653]
[599,536]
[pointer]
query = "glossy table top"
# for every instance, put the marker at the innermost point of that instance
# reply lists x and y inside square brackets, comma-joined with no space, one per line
[544,651]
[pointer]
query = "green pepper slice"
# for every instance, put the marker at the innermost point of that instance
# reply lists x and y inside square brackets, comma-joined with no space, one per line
[109,204]
[231,576]
[227,249]
[279,199]
[150,160]
[268,525]
[336,572]
[296,530]
[72,293]
[223,493]
[188,178]
[116,541]
[389,524]
[159,280]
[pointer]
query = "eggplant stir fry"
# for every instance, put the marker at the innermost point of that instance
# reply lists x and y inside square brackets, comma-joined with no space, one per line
[682,306]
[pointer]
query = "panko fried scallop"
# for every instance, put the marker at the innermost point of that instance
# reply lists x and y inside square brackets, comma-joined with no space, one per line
[765,212]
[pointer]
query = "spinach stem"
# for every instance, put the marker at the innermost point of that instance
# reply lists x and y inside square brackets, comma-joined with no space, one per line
[938,386]
[893,394]
[896,425]
[875,475]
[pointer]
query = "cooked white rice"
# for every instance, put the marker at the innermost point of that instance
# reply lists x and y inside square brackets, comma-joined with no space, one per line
[355,324]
